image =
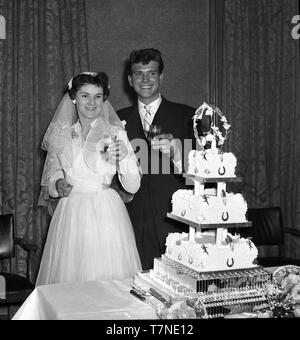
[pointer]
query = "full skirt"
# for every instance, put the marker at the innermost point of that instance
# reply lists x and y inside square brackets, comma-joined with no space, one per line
[90,238]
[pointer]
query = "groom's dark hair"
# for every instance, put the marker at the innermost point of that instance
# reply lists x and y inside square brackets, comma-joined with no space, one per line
[145,56]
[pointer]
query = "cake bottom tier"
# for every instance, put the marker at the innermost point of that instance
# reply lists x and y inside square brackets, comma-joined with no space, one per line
[212,295]
[178,277]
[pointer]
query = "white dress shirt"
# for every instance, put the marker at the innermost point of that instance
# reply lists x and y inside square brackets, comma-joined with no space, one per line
[151,108]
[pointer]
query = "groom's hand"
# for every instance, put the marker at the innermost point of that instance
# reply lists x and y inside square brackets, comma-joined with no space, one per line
[167,144]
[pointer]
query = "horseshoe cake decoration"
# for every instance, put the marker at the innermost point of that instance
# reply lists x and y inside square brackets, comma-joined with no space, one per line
[222,172]
[230,262]
[225,216]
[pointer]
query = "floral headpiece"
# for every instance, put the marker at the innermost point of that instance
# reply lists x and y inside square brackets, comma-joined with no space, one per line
[214,134]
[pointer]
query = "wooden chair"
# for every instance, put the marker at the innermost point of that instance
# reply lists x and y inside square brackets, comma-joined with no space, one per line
[268,231]
[14,289]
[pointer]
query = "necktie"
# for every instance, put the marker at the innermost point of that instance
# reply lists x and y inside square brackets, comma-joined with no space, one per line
[147,119]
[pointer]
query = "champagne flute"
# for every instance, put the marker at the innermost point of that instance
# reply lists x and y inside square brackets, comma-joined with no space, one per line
[154,130]
[106,141]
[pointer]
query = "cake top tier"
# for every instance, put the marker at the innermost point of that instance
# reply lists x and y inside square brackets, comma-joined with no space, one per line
[214,127]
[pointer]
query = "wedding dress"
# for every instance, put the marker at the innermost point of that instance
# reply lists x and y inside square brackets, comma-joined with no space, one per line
[90,236]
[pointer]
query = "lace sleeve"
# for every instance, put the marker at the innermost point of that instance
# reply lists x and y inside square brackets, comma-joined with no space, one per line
[52,169]
[57,136]
[130,174]
[128,178]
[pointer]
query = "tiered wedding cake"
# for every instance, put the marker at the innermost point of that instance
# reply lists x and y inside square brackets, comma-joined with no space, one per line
[211,250]
[209,260]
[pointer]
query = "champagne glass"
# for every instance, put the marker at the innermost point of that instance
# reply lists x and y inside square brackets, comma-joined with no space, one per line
[154,130]
[106,141]
[104,144]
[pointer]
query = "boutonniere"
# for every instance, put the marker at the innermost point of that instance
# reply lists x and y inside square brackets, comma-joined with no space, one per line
[74,134]
[124,123]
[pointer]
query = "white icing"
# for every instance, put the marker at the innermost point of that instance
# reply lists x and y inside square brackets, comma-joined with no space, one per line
[211,163]
[209,208]
[204,255]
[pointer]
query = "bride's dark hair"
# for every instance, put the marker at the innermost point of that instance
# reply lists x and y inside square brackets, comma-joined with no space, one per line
[99,79]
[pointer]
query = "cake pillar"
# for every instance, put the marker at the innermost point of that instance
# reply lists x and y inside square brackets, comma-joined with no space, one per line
[224,234]
[219,236]
[192,233]
[198,232]
[221,186]
[214,143]
[198,188]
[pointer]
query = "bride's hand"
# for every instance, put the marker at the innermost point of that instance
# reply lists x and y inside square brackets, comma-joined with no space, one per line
[63,188]
[117,150]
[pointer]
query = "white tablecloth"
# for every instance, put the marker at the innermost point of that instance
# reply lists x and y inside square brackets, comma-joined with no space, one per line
[105,300]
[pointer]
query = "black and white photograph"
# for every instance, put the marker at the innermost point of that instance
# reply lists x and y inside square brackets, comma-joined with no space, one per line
[150,163]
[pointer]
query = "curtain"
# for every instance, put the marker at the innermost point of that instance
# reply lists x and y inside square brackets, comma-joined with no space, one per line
[260,95]
[45,45]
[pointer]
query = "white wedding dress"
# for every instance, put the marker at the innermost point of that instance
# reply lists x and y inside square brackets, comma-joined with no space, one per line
[90,236]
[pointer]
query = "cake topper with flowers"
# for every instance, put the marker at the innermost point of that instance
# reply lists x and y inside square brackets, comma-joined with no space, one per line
[217,130]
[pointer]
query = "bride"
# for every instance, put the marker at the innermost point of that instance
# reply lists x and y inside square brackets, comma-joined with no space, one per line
[90,236]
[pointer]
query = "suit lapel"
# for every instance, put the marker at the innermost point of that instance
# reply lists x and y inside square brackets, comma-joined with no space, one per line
[134,125]
[161,115]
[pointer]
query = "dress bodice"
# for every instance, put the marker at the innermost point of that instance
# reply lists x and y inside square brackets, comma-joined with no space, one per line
[83,178]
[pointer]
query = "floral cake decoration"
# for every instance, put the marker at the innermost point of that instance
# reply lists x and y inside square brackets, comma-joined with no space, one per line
[215,135]
[284,295]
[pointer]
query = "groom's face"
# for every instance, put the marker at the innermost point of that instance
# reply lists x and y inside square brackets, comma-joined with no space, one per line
[146,80]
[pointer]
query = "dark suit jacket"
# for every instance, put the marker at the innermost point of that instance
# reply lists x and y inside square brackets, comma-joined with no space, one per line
[149,207]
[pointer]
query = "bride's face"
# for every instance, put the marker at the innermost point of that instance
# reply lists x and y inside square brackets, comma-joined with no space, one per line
[89,101]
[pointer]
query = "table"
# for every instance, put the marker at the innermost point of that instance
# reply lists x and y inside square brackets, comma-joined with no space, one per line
[99,300]
[105,300]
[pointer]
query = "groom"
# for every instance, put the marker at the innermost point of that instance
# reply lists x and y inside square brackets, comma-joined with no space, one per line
[149,207]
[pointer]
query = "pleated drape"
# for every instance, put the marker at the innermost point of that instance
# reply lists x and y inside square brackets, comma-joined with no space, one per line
[45,45]
[260,94]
